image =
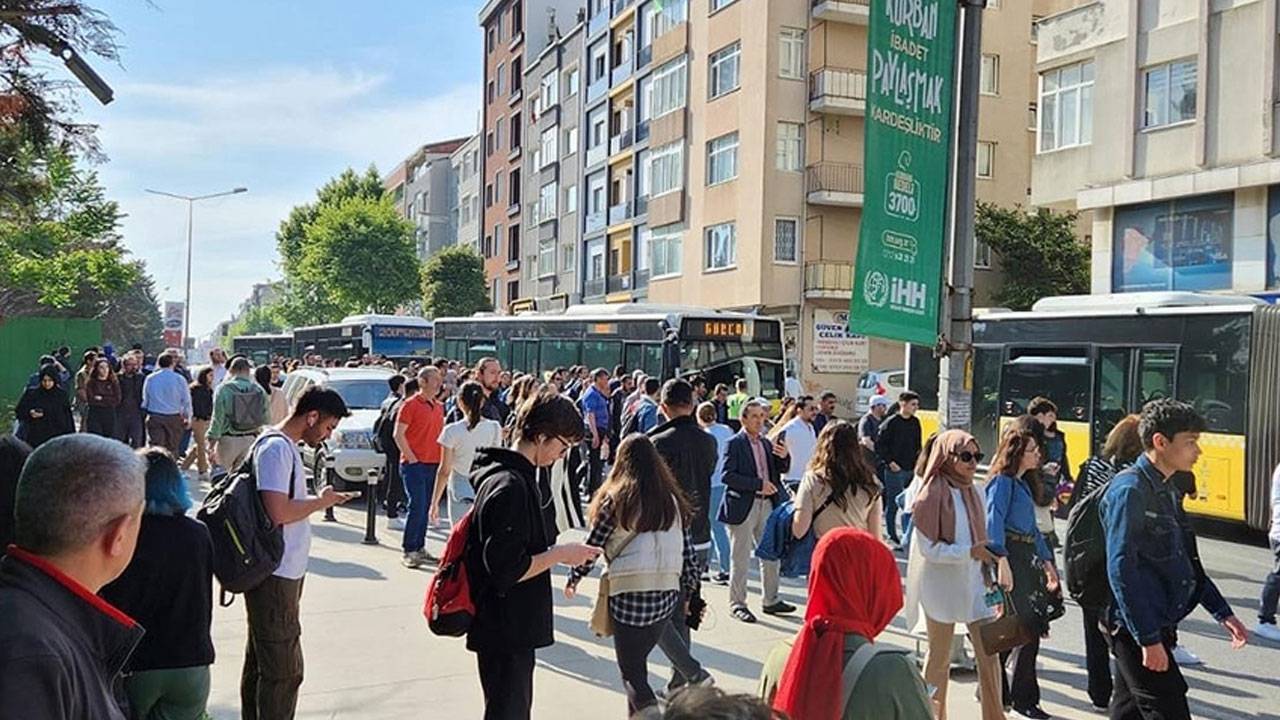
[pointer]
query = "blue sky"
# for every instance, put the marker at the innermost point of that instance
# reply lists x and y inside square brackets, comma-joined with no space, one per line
[274,96]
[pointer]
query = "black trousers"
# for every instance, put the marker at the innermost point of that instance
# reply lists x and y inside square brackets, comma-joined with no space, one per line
[391,489]
[506,677]
[129,429]
[101,420]
[1141,694]
[595,470]
[1018,676]
[1097,660]
[632,646]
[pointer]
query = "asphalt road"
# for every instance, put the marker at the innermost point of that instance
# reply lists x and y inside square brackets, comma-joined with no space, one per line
[369,655]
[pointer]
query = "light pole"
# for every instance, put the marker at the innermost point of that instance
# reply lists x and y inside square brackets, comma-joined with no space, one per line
[191,201]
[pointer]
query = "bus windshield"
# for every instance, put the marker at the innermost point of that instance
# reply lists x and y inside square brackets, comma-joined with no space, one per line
[726,361]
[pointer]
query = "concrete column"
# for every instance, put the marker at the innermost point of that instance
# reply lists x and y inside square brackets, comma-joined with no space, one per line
[1249,244]
[1100,262]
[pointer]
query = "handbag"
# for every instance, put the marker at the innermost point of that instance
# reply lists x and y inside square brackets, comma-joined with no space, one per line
[601,621]
[1005,632]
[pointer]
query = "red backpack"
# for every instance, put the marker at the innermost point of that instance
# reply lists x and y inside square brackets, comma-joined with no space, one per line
[448,606]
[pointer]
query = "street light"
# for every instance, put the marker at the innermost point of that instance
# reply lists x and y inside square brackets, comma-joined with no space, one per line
[191,201]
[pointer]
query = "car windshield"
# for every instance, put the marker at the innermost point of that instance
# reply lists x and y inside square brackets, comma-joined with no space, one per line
[361,394]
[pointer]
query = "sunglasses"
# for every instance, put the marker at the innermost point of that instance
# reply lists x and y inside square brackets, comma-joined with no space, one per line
[970,457]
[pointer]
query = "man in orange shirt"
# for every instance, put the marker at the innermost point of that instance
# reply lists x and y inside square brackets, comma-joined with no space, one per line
[418,426]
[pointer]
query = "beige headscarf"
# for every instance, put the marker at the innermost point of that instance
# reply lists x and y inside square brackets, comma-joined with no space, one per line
[935,512]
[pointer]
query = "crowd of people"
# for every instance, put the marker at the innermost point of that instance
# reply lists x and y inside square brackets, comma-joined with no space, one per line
[675,485]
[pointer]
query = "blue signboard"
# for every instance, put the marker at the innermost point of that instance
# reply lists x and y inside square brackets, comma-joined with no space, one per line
[1180,244]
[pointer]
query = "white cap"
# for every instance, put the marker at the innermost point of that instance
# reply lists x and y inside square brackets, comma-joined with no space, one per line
[879,400]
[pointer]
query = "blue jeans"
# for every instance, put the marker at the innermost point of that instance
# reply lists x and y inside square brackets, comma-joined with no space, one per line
[419,483]
[1271,590]
[719,533]
[901,502]
[894,483]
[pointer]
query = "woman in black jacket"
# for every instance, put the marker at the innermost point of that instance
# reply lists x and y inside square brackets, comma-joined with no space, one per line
[45,410]
[102,392]
[168,589]
[201,416]
[509,554]
[13,455]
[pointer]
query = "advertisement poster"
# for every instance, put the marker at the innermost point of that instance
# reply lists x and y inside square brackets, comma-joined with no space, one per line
[835,349]
[1182,244]
[897,284]
[173,323]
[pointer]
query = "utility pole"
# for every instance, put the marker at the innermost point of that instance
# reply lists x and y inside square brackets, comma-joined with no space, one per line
[956,343]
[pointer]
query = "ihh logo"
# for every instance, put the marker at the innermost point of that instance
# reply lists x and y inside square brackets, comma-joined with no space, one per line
[908,293]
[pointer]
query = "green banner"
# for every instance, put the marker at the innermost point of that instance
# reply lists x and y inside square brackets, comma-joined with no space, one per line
[898,272]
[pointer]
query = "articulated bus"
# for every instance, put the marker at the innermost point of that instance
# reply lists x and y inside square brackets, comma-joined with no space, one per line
[665,342]
[261,348]
[1101,357]
[399,337]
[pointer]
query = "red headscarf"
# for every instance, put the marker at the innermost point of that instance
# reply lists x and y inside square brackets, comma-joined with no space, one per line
[854,587]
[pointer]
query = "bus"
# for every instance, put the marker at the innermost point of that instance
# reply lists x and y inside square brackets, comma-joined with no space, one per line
[664,342]
[1101,357]
[399,337]
[261,348]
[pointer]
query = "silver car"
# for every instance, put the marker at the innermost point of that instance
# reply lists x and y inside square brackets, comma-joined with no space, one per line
[879,382]
[351,444]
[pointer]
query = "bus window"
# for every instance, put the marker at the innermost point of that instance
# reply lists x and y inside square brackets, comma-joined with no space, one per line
[1214,371]
[601,354]
[1064,380]
[986,396]
[1111,392]
[560,353]
[1156,369]
[922,376]
[478,350]
[646,357]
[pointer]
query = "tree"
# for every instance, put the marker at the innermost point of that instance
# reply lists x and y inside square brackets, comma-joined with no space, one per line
[133,315]
[1039,253]
[453,284]
[360,251]
[59,246]
[258,320]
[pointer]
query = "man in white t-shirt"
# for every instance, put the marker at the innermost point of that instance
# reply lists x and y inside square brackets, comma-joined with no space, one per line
[801,438]
[273,657]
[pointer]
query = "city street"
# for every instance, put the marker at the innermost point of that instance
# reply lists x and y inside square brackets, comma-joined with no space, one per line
[369,654]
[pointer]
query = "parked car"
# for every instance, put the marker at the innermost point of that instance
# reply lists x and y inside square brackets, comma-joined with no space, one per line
[879,382]
[351,444]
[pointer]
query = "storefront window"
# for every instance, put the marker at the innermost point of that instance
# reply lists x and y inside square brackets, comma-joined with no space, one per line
[1273,238]
[1181,244]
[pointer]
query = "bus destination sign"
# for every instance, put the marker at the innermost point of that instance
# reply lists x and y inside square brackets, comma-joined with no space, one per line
[388,332]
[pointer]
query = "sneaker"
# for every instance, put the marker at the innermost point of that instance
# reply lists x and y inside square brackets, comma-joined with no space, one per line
[414,560]
[1268,631]
[1185,657]
[743,613]
[721,578]
[779,608]
[395,523]
[1033,713]
[666,693]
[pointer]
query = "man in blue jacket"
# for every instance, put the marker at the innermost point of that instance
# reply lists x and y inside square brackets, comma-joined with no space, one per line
[1153,568]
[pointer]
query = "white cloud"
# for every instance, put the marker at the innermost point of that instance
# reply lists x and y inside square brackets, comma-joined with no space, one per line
[280,132]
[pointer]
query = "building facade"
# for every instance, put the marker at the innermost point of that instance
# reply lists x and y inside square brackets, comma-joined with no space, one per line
[1163,134]
[466,170]
[552,174]
[431,196]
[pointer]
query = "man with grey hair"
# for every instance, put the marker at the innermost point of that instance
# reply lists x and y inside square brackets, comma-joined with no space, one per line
[241,409]
[77,513]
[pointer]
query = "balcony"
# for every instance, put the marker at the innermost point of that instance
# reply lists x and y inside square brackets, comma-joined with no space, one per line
[593,288]
[619,283]
[828,280]
[644,57]
[598,23]
[642,131]
[641,206]
[835,184]
[597,155]
[857,12]
[621,72]
[597,89]
[595,221]
[536,214]
[620,5]
[619,213]
[620,142]
[839,91]
[642,279]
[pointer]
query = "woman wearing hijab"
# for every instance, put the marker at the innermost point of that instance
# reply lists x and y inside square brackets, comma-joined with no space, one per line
[945,582]
[854,593]
[45,410]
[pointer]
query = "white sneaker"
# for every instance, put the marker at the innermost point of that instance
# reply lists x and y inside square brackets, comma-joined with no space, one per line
[1267,631]
[1185,657]
[395,523]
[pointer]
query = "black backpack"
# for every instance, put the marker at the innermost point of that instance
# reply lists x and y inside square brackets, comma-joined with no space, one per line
[1084,554]
[247,545]
[384,428]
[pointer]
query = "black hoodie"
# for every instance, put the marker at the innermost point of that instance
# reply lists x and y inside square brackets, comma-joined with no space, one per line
[53,403]
[691,455]
[507,530]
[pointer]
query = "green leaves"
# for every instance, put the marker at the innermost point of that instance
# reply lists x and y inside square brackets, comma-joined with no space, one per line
[1039,253]
[453,284]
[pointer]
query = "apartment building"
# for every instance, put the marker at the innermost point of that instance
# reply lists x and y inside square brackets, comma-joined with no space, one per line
[393,182]
[430,196]
[513,30]
[466,212]
[1157,120]
[551,222]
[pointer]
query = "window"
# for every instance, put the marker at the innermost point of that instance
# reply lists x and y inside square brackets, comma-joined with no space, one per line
[722,159]
[500,77]
[666,168]
[549,92]
[571,81]
[1031,117]
[488,195]
[599,63]
[517,131]
[497,240]
[571,199]
[721,246]
[489,93]
[1170,94]
[517,75]
[724,70]
[790,150]
[595,261]
[597,194]
[495,292]
[715,5]
[986,159]
[791,53]
[517,19]
[1065,110]
[642,174]
[669,88]
[981,255]
[513,290]
[1182,244]
[666,244]
[513,244]
[497,133]
[663,16]
[786,233]
[566,257]
[597,127]
[546,258]
[548,195]
[497,188]
[490,40]
[989,80]
[515,187]
[570,141]
[548,150]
